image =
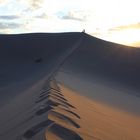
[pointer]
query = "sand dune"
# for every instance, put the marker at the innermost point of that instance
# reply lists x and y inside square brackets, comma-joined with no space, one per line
[52,121]
[68,86]
[101,121]
[59,132]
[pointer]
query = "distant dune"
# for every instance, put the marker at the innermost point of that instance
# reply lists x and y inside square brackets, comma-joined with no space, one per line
[68,86]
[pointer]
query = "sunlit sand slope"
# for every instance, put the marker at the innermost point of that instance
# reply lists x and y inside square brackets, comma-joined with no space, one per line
[100,121]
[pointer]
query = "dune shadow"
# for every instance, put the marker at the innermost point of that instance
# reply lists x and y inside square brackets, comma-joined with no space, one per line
[54,94]
[49,96]
[44,92]
[58,98]
[61,133]
[63,102]
[41,99]
[51,90]
[51,93]
[54,104]
[35,129]
[64,118]
[76,115]
[42,95]
[43,110]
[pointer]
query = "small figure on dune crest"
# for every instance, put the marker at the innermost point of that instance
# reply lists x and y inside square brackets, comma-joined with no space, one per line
[83,31]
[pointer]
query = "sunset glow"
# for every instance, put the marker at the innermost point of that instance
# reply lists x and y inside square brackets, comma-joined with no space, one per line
[113,20]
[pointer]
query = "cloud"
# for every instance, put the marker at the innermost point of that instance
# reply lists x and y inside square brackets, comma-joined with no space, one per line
[126,27]
[69,17]
[35,4]
[8,17]
[75,15]
[43,16]
[6,25]
[3,1]
[32,4]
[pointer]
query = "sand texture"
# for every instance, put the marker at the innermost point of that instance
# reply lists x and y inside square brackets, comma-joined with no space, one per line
[68,86]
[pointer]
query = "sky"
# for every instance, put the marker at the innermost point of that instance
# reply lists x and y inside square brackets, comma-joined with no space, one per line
[113,20]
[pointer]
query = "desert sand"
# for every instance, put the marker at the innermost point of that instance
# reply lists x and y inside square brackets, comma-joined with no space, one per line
[103,121]
[68,86]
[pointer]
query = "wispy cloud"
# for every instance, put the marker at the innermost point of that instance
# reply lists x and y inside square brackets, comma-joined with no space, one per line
[126,27]
[10,25]
[75,15]
[8,17]
[35,4]
[32,4]
[2,1]
[43,16]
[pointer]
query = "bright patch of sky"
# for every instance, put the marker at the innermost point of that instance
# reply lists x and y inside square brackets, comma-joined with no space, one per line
[113,20]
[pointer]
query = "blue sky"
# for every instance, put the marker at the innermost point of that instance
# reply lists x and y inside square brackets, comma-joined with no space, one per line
[113,20]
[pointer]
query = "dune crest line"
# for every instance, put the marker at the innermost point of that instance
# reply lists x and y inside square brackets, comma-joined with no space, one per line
[50,100]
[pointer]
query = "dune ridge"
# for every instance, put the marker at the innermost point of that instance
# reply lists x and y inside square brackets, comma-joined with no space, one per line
[57,122]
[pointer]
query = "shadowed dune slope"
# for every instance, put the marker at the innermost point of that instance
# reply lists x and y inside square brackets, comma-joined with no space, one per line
[26,58]
[108,61]
[31,56]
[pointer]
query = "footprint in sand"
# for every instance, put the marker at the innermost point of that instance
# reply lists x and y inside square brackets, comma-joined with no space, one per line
[58,132]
